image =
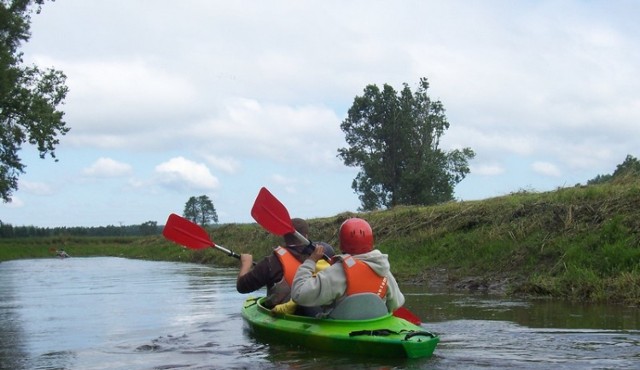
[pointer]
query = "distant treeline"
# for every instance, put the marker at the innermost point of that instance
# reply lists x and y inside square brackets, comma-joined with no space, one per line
[144,229]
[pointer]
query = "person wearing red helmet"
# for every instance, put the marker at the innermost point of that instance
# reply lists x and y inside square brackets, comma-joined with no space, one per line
[358,285]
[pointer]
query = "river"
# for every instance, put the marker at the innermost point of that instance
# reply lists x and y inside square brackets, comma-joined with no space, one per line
[114,313]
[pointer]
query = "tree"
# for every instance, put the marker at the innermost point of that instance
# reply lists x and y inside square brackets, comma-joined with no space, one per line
[628,169]
[200,210]
[29,97]
[149,228]
[394,138]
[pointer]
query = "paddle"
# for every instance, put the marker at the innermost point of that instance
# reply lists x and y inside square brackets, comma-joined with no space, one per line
[184,232]
[404,313]
[271,214]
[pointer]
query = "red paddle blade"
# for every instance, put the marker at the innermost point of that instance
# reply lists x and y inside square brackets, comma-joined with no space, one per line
[184,232]
[404,313]
[271,214]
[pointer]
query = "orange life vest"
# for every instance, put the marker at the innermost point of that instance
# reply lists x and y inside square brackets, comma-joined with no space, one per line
[289,264]
[362,279]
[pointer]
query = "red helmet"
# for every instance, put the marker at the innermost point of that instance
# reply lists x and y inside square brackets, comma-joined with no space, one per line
[356,236]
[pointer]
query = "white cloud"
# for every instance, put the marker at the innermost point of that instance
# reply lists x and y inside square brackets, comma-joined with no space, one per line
[286,183]
[107,167]
[123,102]
[36,188]
[307,135]
[182,173]
[546,168]
[109,88]
[487,169]
[226,164]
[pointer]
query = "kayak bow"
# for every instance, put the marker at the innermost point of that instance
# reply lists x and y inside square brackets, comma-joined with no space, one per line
[386,336]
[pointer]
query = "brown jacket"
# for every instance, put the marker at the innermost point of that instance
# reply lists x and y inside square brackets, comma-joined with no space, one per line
[266,273]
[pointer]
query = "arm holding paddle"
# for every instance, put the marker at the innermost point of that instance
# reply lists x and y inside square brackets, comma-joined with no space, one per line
[317,254]
[246,262]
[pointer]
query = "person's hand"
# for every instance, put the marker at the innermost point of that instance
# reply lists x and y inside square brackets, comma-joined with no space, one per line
[246,259]
[318,253]
[246,262]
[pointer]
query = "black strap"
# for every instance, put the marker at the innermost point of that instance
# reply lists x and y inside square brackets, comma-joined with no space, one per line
[376,332]
[253,303]
[387,332]
[416,333]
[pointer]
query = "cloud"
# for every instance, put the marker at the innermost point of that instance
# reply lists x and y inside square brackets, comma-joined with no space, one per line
[546,168]
[36,188]
[272,131]
[123,102]
[287,183]
[107,167]
[226,164]
[488,170]
[283,180]
[182,173]
[136,87]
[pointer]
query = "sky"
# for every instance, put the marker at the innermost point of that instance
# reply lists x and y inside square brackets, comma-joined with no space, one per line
[169,100]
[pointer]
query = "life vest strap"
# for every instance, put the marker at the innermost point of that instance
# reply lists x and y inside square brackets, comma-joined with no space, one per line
[289,264]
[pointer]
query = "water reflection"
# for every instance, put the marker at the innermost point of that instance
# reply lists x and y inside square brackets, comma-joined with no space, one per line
[483,331]
[11,333]
[74,313]
[111,313]
[537,313]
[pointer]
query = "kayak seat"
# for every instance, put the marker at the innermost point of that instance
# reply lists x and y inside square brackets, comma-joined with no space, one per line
[360,306]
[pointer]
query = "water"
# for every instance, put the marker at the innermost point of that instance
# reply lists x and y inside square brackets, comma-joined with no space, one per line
[112,313]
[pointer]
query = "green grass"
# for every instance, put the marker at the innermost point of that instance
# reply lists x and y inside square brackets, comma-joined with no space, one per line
[580,243]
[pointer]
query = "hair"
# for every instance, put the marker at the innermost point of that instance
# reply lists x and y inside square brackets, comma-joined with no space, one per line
[302,227]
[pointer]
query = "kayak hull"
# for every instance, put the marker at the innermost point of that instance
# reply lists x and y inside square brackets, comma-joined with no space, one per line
[386,336]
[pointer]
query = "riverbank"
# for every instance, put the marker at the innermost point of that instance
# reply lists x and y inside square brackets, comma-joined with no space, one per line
[580,243]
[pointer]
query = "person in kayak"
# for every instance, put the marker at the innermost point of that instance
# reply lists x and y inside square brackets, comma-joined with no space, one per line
[291,307]
[61,253]
[276,270]
[358,285]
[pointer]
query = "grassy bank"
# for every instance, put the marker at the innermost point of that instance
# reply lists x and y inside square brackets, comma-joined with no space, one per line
[580,243]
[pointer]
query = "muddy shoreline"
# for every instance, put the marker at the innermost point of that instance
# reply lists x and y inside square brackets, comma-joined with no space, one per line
[442,279]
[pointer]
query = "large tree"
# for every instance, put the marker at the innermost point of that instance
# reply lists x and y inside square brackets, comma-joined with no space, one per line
[395,140]
[29,96]
[200,210]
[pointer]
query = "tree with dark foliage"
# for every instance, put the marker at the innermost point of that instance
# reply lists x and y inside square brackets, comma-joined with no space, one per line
[29,96]
[200,210]
[395,140]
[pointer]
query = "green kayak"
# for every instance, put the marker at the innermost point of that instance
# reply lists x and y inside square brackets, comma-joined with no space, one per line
[386,336]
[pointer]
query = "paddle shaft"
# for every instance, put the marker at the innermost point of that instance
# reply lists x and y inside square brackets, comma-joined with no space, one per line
[225,250]
[187,233]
